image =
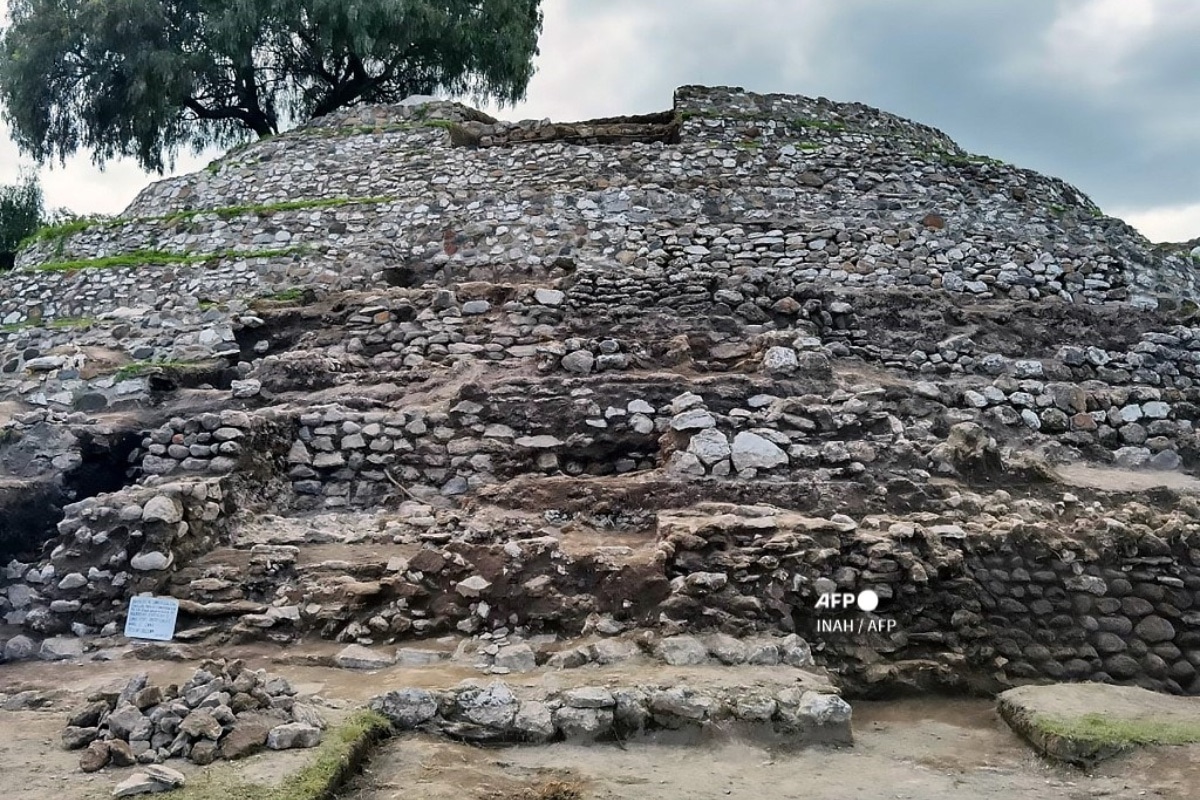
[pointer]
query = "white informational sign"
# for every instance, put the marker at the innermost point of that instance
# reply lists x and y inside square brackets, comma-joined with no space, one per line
[152,618]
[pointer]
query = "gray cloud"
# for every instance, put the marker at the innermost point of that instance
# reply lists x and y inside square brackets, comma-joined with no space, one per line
[1103,93]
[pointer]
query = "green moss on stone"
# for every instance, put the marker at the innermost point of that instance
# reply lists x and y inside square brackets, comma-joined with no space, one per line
[1108,731]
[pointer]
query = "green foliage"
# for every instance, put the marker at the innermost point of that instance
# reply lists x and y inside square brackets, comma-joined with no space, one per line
[286,298]
[70,323]
[144,79]
[20,215]
[135,258]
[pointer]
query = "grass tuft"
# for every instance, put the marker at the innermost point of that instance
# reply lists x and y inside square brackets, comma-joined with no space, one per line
[287,295]
[59,233]
[136,258]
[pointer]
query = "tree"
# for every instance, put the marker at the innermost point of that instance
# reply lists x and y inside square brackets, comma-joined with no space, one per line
[20,215]
[143,79]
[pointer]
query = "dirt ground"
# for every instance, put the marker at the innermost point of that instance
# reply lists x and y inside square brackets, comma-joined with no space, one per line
[1112,479]
[916,750]
[34,766]
[934,749]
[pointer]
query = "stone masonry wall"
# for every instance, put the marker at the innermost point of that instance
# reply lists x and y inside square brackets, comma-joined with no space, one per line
[991,602]
[117,544]
[759,189]
[112,547]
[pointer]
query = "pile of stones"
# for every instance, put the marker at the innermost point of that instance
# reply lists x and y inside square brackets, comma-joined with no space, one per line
[223,711]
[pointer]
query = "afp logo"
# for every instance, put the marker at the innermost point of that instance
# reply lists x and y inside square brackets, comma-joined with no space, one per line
[866,600]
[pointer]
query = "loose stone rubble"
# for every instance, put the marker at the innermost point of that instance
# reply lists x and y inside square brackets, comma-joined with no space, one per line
[225,711]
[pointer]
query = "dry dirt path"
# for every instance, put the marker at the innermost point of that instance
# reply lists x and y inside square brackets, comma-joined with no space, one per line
[907,750]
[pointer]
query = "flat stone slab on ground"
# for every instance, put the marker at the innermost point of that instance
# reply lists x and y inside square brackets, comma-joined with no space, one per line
[1082,723]
[356,656]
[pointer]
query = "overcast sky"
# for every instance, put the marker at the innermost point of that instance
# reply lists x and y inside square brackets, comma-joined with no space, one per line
[1102,93]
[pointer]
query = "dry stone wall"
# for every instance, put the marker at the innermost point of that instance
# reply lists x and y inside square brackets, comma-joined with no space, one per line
[111,547]
[757,298]
[790,189]
[762,199]
[975,605]
[494,713]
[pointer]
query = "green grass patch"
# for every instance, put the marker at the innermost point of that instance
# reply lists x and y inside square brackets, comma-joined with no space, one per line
[59,233]
[334,761]
[287,295]
[807,123]
[140,258]
[60,324]
[263,209]
[70,323]
[136,258]
[440,123]
[338,755]
[65,229]
[139,368]
[292,296]
[1107,731]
